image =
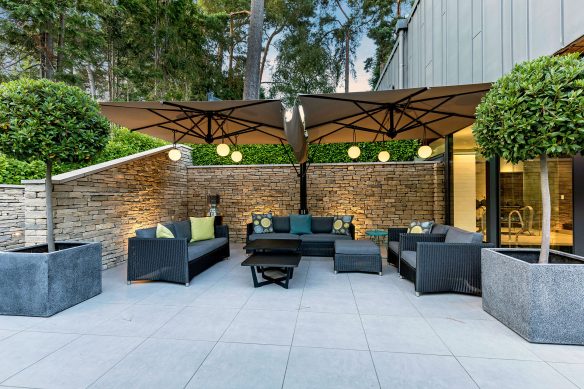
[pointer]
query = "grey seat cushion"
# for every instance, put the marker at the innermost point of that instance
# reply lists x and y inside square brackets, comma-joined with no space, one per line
[440,229]
[322,225]
[281,223]
[364,247]
[456,235]
[275,235]
[183,229]
[409,257]
[394,246]
[202,247]
[323,237]
[151,232]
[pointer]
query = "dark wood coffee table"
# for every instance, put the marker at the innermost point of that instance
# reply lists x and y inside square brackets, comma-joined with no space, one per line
[273,254]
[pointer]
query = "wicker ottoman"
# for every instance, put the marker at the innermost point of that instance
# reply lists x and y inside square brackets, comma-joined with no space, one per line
[357,255]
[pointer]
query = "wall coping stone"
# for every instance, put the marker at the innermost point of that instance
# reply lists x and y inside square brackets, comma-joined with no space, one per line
[11,186]
[316,164]
[89,170]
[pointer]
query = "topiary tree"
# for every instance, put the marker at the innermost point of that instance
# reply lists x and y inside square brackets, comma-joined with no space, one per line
[52,122]
[535,111]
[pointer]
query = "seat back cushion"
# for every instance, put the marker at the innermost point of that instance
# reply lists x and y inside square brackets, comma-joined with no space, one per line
[151,232]
[440,229]
[281,223]
[301,224]
[202,228]
[456,235]
[322,225]
[183,229]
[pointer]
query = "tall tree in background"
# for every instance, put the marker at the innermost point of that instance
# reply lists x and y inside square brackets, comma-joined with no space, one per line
[251,81]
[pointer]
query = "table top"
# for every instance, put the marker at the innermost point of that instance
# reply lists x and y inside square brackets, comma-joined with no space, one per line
[274,244]
[376,232]
[272,260]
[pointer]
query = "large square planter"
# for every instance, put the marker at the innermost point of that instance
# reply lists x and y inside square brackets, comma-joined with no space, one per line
[541,302]
[36,283]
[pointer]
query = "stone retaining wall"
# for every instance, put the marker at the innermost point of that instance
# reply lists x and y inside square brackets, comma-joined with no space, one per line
[11,216]
[379,195]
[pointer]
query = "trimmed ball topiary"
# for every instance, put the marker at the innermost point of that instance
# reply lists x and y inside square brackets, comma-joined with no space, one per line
[535,111]
[52,122]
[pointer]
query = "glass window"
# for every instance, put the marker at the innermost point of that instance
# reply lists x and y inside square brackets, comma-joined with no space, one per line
[520,214]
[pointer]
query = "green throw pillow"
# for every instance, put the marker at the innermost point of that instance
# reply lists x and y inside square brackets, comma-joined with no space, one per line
[163,232]
[262,223]
[301,224]
[417,227]
[341,224]
[202,228]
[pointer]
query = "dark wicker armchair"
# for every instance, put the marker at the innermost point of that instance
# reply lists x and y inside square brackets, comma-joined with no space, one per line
[436,265]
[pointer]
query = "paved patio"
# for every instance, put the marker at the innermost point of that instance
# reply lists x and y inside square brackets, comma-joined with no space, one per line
[327,331]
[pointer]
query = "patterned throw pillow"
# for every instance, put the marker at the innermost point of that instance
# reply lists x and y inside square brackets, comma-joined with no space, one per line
[262,223]
[417,227]
[341,224]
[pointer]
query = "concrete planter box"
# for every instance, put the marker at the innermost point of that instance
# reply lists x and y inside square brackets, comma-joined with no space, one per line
[36,283]
[541,302]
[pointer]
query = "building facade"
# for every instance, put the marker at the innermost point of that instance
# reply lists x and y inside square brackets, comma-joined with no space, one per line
[455,42]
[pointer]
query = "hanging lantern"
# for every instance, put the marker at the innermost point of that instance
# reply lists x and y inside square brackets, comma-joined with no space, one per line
[223,149]
[354,152]
[424,152]
[174,154]
[236,156]
[383,156]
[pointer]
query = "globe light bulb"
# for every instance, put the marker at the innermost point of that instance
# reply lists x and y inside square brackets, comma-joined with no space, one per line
[223,149]
[383,156]
[174,154]
[424,152]
[236,156]
[354,152]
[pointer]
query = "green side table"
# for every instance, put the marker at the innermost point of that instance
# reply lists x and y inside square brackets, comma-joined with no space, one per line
[378,236]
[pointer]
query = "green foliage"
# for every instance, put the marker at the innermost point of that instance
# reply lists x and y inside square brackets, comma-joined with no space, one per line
[323,153]
[536,109]
[50,121]
[121,143]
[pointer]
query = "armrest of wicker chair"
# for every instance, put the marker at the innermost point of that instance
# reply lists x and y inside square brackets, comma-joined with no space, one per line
[449,267]
[393,233]
[408,242]
[352,231]
[158,259]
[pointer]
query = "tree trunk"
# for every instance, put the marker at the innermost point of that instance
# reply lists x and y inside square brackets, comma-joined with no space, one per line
[60,43]
[251,85]
[49,204]
[267,49]
[91,80]
[347,59]
[546,211]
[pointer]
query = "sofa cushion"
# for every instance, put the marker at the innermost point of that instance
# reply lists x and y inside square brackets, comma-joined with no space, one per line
[456,235]
[183,229]
[394,246]
[356,247]
[409,257]
[202,247]
[274,235]
[163,232]
[440,229]
[262,223]
[301,224]
[151,232]
[323,237]
[321,225]
[281,223]
[202,228]
[341,224]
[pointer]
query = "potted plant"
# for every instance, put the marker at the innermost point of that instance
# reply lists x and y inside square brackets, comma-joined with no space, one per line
[535,112]
[52,122]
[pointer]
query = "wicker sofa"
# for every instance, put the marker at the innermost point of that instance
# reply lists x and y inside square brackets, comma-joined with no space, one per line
[447,259]
[320,243]
[174,260]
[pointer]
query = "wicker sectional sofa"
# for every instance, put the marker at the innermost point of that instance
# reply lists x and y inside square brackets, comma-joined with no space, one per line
[174,260]
[320,243]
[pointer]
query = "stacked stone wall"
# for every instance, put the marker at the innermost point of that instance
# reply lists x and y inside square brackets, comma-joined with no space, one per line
[11,216]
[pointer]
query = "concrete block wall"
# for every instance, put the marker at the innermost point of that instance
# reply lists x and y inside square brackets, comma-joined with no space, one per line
[11,216]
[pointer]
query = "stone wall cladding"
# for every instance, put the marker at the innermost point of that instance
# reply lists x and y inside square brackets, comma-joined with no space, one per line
[110,205]
[379,195]
[11,216]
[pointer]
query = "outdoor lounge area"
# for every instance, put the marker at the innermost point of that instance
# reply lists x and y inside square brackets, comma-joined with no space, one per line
[346,330]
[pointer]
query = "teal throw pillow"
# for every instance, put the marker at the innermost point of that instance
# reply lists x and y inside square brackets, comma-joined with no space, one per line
[341,224]
[262,223]
[301,224]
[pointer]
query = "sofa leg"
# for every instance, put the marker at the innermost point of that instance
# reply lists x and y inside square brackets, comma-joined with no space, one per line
[129,282]
[418,294]
[335,272]
[187,284]
[380,273]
